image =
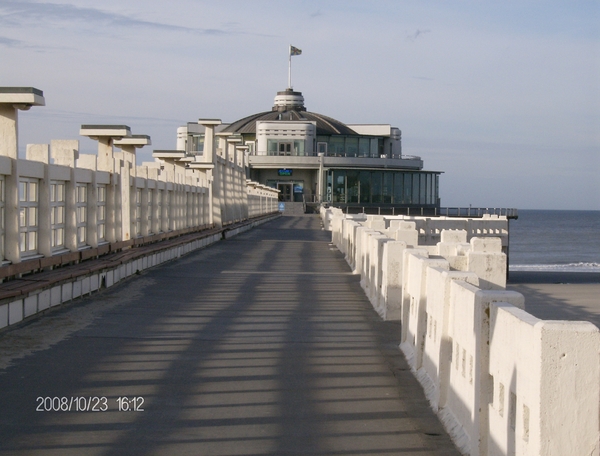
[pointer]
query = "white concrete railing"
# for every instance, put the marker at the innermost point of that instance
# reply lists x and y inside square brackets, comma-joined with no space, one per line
[429,228]
[501,380]
[56,201]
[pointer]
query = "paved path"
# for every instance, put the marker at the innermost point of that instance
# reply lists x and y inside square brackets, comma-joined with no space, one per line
[260,345]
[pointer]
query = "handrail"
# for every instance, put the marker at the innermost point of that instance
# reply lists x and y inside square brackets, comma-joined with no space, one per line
[266,153]
[464,212]
[478,212]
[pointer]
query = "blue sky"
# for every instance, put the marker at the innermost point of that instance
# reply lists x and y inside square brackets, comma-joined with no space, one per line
[504,97]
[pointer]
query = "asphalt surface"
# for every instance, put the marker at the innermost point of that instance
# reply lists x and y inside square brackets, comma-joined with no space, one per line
[263,344]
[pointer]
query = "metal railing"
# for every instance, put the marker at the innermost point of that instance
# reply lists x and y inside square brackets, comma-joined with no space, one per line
[478,212]
[332,154]
[464,212]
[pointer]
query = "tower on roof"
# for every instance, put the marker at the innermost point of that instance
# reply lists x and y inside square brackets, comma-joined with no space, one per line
[288,100]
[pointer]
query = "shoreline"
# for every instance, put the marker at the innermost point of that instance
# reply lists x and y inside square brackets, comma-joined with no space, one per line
[552,277]
[571,296]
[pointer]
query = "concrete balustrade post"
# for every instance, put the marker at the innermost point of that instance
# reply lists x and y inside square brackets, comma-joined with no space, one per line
[210,158]
[13,99]
[128,173]
[106,135]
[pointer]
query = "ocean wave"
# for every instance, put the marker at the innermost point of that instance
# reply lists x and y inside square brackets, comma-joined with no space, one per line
[570,267]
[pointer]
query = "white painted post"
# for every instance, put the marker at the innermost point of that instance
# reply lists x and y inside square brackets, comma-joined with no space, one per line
[106,135]
[13,99]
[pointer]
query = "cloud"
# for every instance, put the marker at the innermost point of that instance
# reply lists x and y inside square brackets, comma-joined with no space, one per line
[9,42]
[18,44]
[18,13]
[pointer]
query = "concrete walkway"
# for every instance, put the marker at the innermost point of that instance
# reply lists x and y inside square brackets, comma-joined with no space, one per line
[263,344]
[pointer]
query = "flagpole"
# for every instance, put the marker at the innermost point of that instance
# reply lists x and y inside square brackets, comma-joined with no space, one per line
[290,68]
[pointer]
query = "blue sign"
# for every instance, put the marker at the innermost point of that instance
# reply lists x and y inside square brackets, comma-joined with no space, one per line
[281,207]
[284,172]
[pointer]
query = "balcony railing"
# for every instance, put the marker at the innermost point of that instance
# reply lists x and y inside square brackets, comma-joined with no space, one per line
[463,212]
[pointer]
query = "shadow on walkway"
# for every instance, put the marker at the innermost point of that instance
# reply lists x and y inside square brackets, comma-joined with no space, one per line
[263,344]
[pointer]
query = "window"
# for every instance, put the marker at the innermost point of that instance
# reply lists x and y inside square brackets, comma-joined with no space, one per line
[81,212]
[196,144]
[57,215]
[364,179]
[430,189]
[101,213]
[137,213]
[339,186]
[351,147]
[322,148]
[415,189]
[28,216]
[150,209]
[352,186]
[271,147]
[376,187]
[159,200]
[398,188]
[285,148]
[364,149]
[388,187]
[299,147]
[407,188]
[336,146]
[2,197]
[423,189]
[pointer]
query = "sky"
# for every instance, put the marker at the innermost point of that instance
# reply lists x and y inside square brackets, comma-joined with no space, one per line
[502,96]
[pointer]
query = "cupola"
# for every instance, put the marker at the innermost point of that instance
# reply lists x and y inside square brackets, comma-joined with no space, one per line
[288,100]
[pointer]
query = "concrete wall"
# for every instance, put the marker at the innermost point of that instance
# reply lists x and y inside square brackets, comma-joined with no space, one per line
[502,381]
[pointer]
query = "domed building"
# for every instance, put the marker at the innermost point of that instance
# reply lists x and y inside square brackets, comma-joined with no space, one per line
[312,158]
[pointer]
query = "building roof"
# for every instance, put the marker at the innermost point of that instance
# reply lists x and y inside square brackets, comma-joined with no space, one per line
[289,106]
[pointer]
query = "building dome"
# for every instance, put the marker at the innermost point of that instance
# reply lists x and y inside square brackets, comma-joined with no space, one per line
[289,106]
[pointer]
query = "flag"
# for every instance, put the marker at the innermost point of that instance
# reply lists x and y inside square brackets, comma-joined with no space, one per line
[295,51]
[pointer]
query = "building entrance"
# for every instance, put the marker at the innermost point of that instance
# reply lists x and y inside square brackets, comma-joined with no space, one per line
[286,192]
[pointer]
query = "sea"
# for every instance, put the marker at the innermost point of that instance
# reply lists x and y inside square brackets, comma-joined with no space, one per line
[561,241]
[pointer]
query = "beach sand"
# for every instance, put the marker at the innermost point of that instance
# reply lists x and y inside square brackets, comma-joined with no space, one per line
[559,295]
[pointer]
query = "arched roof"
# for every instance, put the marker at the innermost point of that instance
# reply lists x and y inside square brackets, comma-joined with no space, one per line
[289,106]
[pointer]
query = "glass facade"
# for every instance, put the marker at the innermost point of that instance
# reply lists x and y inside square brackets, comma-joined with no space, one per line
[382,187]
[352,146]
[334,146]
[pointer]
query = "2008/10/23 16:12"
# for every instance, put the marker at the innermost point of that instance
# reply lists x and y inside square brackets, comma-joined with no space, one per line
[88,404]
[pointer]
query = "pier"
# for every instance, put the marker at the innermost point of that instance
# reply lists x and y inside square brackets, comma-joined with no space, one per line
[262,344]
[170,308]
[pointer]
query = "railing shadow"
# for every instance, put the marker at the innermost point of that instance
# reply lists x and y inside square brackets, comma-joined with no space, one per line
[261,344]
